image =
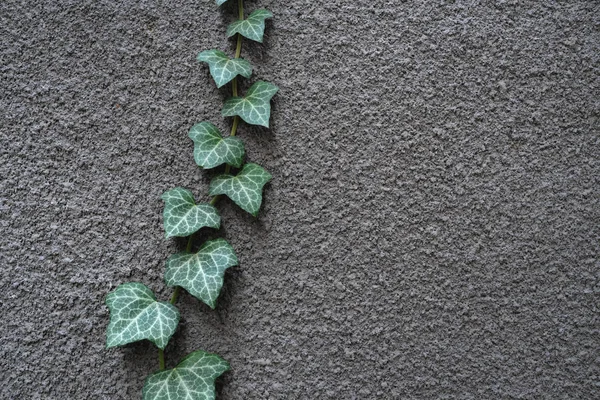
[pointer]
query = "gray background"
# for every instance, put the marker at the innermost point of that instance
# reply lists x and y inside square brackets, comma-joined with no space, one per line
[431,230]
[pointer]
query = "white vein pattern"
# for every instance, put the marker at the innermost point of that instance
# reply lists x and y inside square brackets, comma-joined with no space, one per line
[192,379]
[222,68]
[245,189]
[212,150]
[182,216]
[252,27]
[136,315]
[202,273]
[255,107]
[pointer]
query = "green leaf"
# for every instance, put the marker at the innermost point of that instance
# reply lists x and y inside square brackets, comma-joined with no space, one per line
[252,27]
[201,274]
[245,189]
[212,150]
[222,68]
[182,216]
[136,315]
[220,2]
[192,379]
[255,107]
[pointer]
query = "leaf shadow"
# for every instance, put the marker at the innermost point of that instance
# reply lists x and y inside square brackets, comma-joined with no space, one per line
[180,243]
[220,383]
[258,137]
[228,11]
[260,51]
[144,351]
[232,278]
[204,235]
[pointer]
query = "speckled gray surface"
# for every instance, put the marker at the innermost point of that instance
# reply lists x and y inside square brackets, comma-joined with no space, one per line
[431,231]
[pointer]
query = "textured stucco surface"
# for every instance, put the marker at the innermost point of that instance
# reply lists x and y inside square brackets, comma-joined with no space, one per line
[431,231]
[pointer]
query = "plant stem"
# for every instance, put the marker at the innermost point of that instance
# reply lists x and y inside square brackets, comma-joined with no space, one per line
[238,53]
[174,297]
[234,83]
[238,49]
[236,121]
[213,201]
[161,359]
[240,9]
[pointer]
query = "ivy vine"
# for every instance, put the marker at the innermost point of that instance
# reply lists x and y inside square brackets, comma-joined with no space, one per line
[135,313]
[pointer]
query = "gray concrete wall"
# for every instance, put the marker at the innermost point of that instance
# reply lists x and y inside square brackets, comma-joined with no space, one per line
[431,231]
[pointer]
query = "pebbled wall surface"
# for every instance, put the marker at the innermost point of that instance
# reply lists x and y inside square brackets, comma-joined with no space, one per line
[432,229]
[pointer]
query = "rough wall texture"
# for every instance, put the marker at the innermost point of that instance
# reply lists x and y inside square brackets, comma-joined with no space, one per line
[431,231]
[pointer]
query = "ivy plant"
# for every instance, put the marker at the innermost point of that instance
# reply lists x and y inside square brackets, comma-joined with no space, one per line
[255,107]
[135,312]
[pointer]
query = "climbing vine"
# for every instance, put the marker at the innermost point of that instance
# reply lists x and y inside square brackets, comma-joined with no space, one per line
[135,313]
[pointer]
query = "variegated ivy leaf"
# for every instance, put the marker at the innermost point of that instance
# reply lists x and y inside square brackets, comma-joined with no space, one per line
[222,68]
[192,379]
[219,2]
[182,216]
[252,27]
[212,150]
[245,189]
[135,314]
[201,273]
[255,107]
